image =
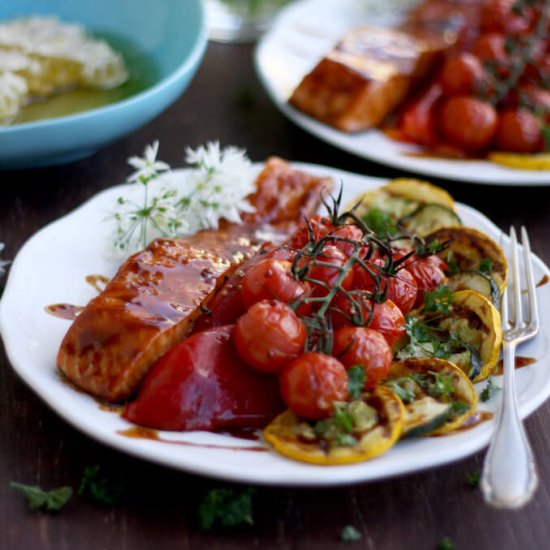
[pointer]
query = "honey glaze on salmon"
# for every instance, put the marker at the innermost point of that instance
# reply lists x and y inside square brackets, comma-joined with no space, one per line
[153,300]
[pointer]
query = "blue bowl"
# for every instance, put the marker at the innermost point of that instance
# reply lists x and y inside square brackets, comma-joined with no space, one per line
[170,35]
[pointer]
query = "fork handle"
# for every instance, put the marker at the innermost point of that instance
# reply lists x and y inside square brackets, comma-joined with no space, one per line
[509,473]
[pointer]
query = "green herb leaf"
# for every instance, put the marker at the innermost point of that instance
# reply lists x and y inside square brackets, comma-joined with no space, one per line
[473,479]
[440,385]
[445,544]
[439,300]
[402,390]
[380,223]
[96,485]
[489,390]
[356,381]
[459,407]
[52,501]
[226,507]
[350,534]
[486,265]
[452,263]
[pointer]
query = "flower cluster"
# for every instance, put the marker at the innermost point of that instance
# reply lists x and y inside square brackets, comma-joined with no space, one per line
[175,204]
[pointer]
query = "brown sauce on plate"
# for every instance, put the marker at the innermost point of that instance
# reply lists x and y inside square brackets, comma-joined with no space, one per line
[520,363]
[138,432]
[64,311]
[545,279]
[475,420]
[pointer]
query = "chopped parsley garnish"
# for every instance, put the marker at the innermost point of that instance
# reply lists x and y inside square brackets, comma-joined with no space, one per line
[435,384]
[452,263]
[226,507]
[380,223]
[99,487]
[439,300]
[356,381]
[37,498]
[459,407]
[350,534]
[486,266]
[489,390]
[402,388]
[473,479]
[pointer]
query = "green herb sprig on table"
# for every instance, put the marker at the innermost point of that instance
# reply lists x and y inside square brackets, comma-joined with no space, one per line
[226,507]
[99,487]
[350,534]
[37,498]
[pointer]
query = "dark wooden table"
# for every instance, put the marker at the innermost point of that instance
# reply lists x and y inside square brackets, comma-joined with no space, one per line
[226,102]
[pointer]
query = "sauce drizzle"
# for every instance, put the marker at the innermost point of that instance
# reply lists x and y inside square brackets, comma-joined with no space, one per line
[475,420]
[64,311]
[545,279]
[520,363]
[139,432]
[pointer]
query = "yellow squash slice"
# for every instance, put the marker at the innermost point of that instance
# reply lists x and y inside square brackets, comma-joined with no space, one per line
[469,247]
[286,434]
[437,395]
[539,161]
[476,322]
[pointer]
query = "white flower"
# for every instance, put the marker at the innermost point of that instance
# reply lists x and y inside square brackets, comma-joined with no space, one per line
[3,263]
[159,216]
[147,167]
[219,184]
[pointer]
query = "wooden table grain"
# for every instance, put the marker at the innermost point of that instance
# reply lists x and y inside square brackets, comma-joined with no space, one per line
[226,102]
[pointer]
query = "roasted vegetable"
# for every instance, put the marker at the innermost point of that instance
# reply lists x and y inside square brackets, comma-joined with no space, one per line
[438,397]
[538,161]
[429,217]
[471,250]
[475,280]
[375,425]
[401,197]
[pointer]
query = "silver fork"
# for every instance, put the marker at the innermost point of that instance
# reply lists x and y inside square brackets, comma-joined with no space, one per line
[510,477]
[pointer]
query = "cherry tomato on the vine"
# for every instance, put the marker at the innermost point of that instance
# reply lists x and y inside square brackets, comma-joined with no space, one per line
[272,279]
[519,131]
[365,347]
[311,383]
[269,335]
[462,74]
[326,267]
[401,288]
[385,318]
[428,273]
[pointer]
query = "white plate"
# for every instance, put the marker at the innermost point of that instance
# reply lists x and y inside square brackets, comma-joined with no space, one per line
[301,35]
[51,268]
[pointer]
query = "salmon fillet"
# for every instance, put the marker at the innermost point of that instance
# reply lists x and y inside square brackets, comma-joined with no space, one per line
[153,300]
[365,77]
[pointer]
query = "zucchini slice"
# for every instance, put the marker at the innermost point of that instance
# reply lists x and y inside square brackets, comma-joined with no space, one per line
[438,397]
[474,320]
[296,438]
[428,218]
[469,248]
[474,280]
[400,197]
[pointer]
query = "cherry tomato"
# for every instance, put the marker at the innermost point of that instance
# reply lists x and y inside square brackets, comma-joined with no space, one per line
[315,227]
[400,288]
[269,335]
[428,273]
[468,123]
[385,318]
[331,256]
[365,347]
[519,131]
[462,75]
[350,233]
[271,279]
[311,383]
[417,123]
[491,47]
[497,16]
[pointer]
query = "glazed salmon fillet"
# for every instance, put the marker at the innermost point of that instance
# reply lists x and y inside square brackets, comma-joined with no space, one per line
[154,298]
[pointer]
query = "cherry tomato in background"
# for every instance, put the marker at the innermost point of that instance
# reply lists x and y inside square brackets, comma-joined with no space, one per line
[365,347]
[462,75]
[311,383]
[269,335]
[491,47]
[468,123]
[498,16]
[272,279]
[418,121]
[401,288]
[519,131]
